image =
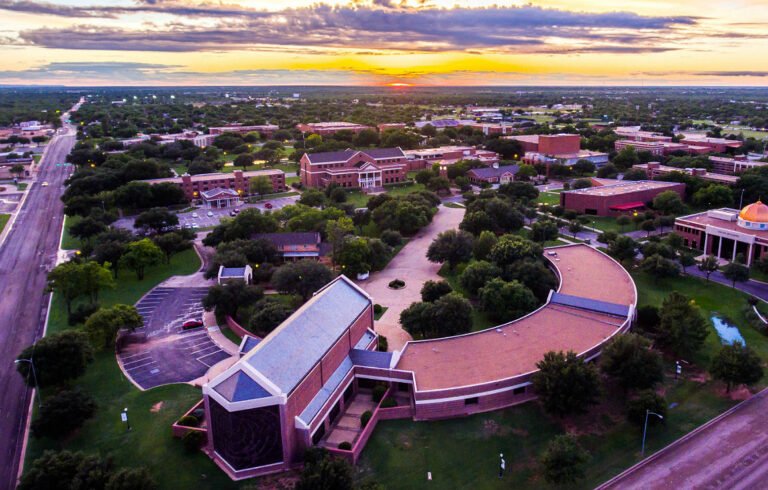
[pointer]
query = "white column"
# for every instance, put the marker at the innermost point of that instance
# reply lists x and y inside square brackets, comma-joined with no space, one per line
[719,247]
[706,237]
[749,257]
[735,246]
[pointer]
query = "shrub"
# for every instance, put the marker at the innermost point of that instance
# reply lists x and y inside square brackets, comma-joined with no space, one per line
[378,309]
[383,345]
[189,421]
[193,440]
[391,238]
[346,446]
[396,284]
[378,392]
[646,400]
[82,312]
[365,418]
[563,461]
[389,403]
[63,413]
[199,413]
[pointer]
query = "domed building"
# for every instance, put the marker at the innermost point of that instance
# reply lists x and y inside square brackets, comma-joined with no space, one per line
[728,233]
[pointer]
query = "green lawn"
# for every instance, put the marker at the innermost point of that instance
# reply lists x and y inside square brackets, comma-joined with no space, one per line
[753,273]
[463,453]
[22,186]
[68,242]
[377,316]
[151,413]
[4,220]
[360,199]
[549,197]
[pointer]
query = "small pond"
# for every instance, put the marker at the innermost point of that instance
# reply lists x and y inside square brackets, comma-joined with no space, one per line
[728,332]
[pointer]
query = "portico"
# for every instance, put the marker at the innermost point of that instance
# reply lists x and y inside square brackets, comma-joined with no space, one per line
[220,198]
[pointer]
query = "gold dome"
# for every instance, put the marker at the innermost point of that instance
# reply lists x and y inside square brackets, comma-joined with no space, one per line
[756,213]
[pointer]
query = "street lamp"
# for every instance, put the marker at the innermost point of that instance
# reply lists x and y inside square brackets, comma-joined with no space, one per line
[645,429]
[124,418]
[34,376]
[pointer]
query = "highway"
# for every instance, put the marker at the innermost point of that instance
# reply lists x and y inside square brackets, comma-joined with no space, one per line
[26,255]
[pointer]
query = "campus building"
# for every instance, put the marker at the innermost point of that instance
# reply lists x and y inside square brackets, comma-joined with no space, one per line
[297,245]
[330,128]
[7,164]
[733,166]
[556,149]
[448,155]
[612,198]
[715,145]
[661,148]
[302,384]
[230,186]
[726,233]
[655,169]
[493,175]
[367,169]
[265,130]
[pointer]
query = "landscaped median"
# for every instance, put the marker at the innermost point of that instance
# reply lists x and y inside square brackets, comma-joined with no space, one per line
[151,413]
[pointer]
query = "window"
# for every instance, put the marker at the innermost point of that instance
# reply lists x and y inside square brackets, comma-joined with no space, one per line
[471,401]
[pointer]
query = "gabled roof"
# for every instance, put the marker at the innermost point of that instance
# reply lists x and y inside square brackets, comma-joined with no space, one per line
[290,352]
[348,154]
[240,387]
[295,238]
[379,153]
[219,191]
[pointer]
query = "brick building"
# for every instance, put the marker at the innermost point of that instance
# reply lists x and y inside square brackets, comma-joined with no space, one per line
[330,128]
[733,166]
[726,233]
[613,199]
[559,149]
[448,155]
[493,175]
[715,145]
[655,169]
[368,169]
[305,383]
[661,148]
[239,181]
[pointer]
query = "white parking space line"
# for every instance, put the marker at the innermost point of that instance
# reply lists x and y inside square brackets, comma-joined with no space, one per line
[206,348]
[134,357]
[132,368]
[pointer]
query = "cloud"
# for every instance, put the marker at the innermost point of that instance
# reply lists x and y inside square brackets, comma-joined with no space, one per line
[713,73]
[382,25]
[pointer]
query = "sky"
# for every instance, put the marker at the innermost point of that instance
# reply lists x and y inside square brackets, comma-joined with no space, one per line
[384,42]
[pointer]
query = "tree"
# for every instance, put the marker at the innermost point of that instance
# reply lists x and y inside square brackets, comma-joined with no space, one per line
[630,359]
[646,400]
[354,256]
[623,221]
[575,227]
[451,247]
[483,245]
[62,413]
[736,272]
[312,198]
[534,275]
[156,219]
[659,267]
[682,326]
[260,185]
[326,473]
[564,460]
[583,167]
[86,229]
[108,253]
[607,171]
[736,364]
[635,174]
[713,196]
[476,275]
[581,184]
[303,278]
[648,226]
[140,255]
[511,248]
[544,230]
[623,249]
[227,299]
[102,326]
[336,231]
[506,301]
[58,358]
[17,170]
[449,315]
[565,384]
[526,172]
[434,290]
[439,184]
[172,243]
[423,176]
[268,315]
[244,160]
[131,479]
[668,202]
[54,470]
[626,158]
[687,260]
[708,265]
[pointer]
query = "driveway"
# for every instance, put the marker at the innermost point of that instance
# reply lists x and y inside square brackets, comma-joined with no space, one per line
[161,352]
[410,265]
[755,288]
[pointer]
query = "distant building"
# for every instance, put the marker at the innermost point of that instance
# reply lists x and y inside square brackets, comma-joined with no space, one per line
[556,149]
[733,166]
[448,155]
[265,130]
[655,169]
[613,198]
[329,128]
[235,274]
[238,181]
[726,233]
[390,126]
[494,129]
[6,164]
[441,124]
[367,170]
[661,148]
[715,145]
[493,175]
[296,245]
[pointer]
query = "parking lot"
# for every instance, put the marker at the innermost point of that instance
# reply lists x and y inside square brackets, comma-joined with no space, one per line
[161,351]
[199,218]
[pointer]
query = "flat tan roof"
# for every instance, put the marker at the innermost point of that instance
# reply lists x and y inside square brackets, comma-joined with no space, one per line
[624,188]
[703,219]
[515,348]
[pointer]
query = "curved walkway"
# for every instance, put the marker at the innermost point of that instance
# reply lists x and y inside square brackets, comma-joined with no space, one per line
[410,265]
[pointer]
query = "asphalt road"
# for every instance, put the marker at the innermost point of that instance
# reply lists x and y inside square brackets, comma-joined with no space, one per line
[26,255]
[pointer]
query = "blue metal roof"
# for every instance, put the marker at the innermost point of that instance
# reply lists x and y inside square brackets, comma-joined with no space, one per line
[287,354]
[371,358]
[250,343]
[232,272]
[590,304]
[326,391]
[490,172]
[239,387]
[365,340]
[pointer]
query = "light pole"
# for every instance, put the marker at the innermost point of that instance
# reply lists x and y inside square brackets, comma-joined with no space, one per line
[741,199]
[124,418]
[645,429]
[34,376]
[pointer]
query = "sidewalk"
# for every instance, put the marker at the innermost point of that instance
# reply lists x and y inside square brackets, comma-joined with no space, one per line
[755,288]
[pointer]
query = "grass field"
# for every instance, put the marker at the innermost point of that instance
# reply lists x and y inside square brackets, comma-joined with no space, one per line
[360,200]
[68,242]
[550,198]
[4,218]
[149,443]
[463,453]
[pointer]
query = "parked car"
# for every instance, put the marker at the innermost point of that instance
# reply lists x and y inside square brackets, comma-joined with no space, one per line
[268,205]
[194,215]
[44,184]
[192,323]
[232,213]
[210,214]
[237,210]
[195,226]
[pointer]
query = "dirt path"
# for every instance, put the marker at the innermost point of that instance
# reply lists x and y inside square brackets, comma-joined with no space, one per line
[410,265]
